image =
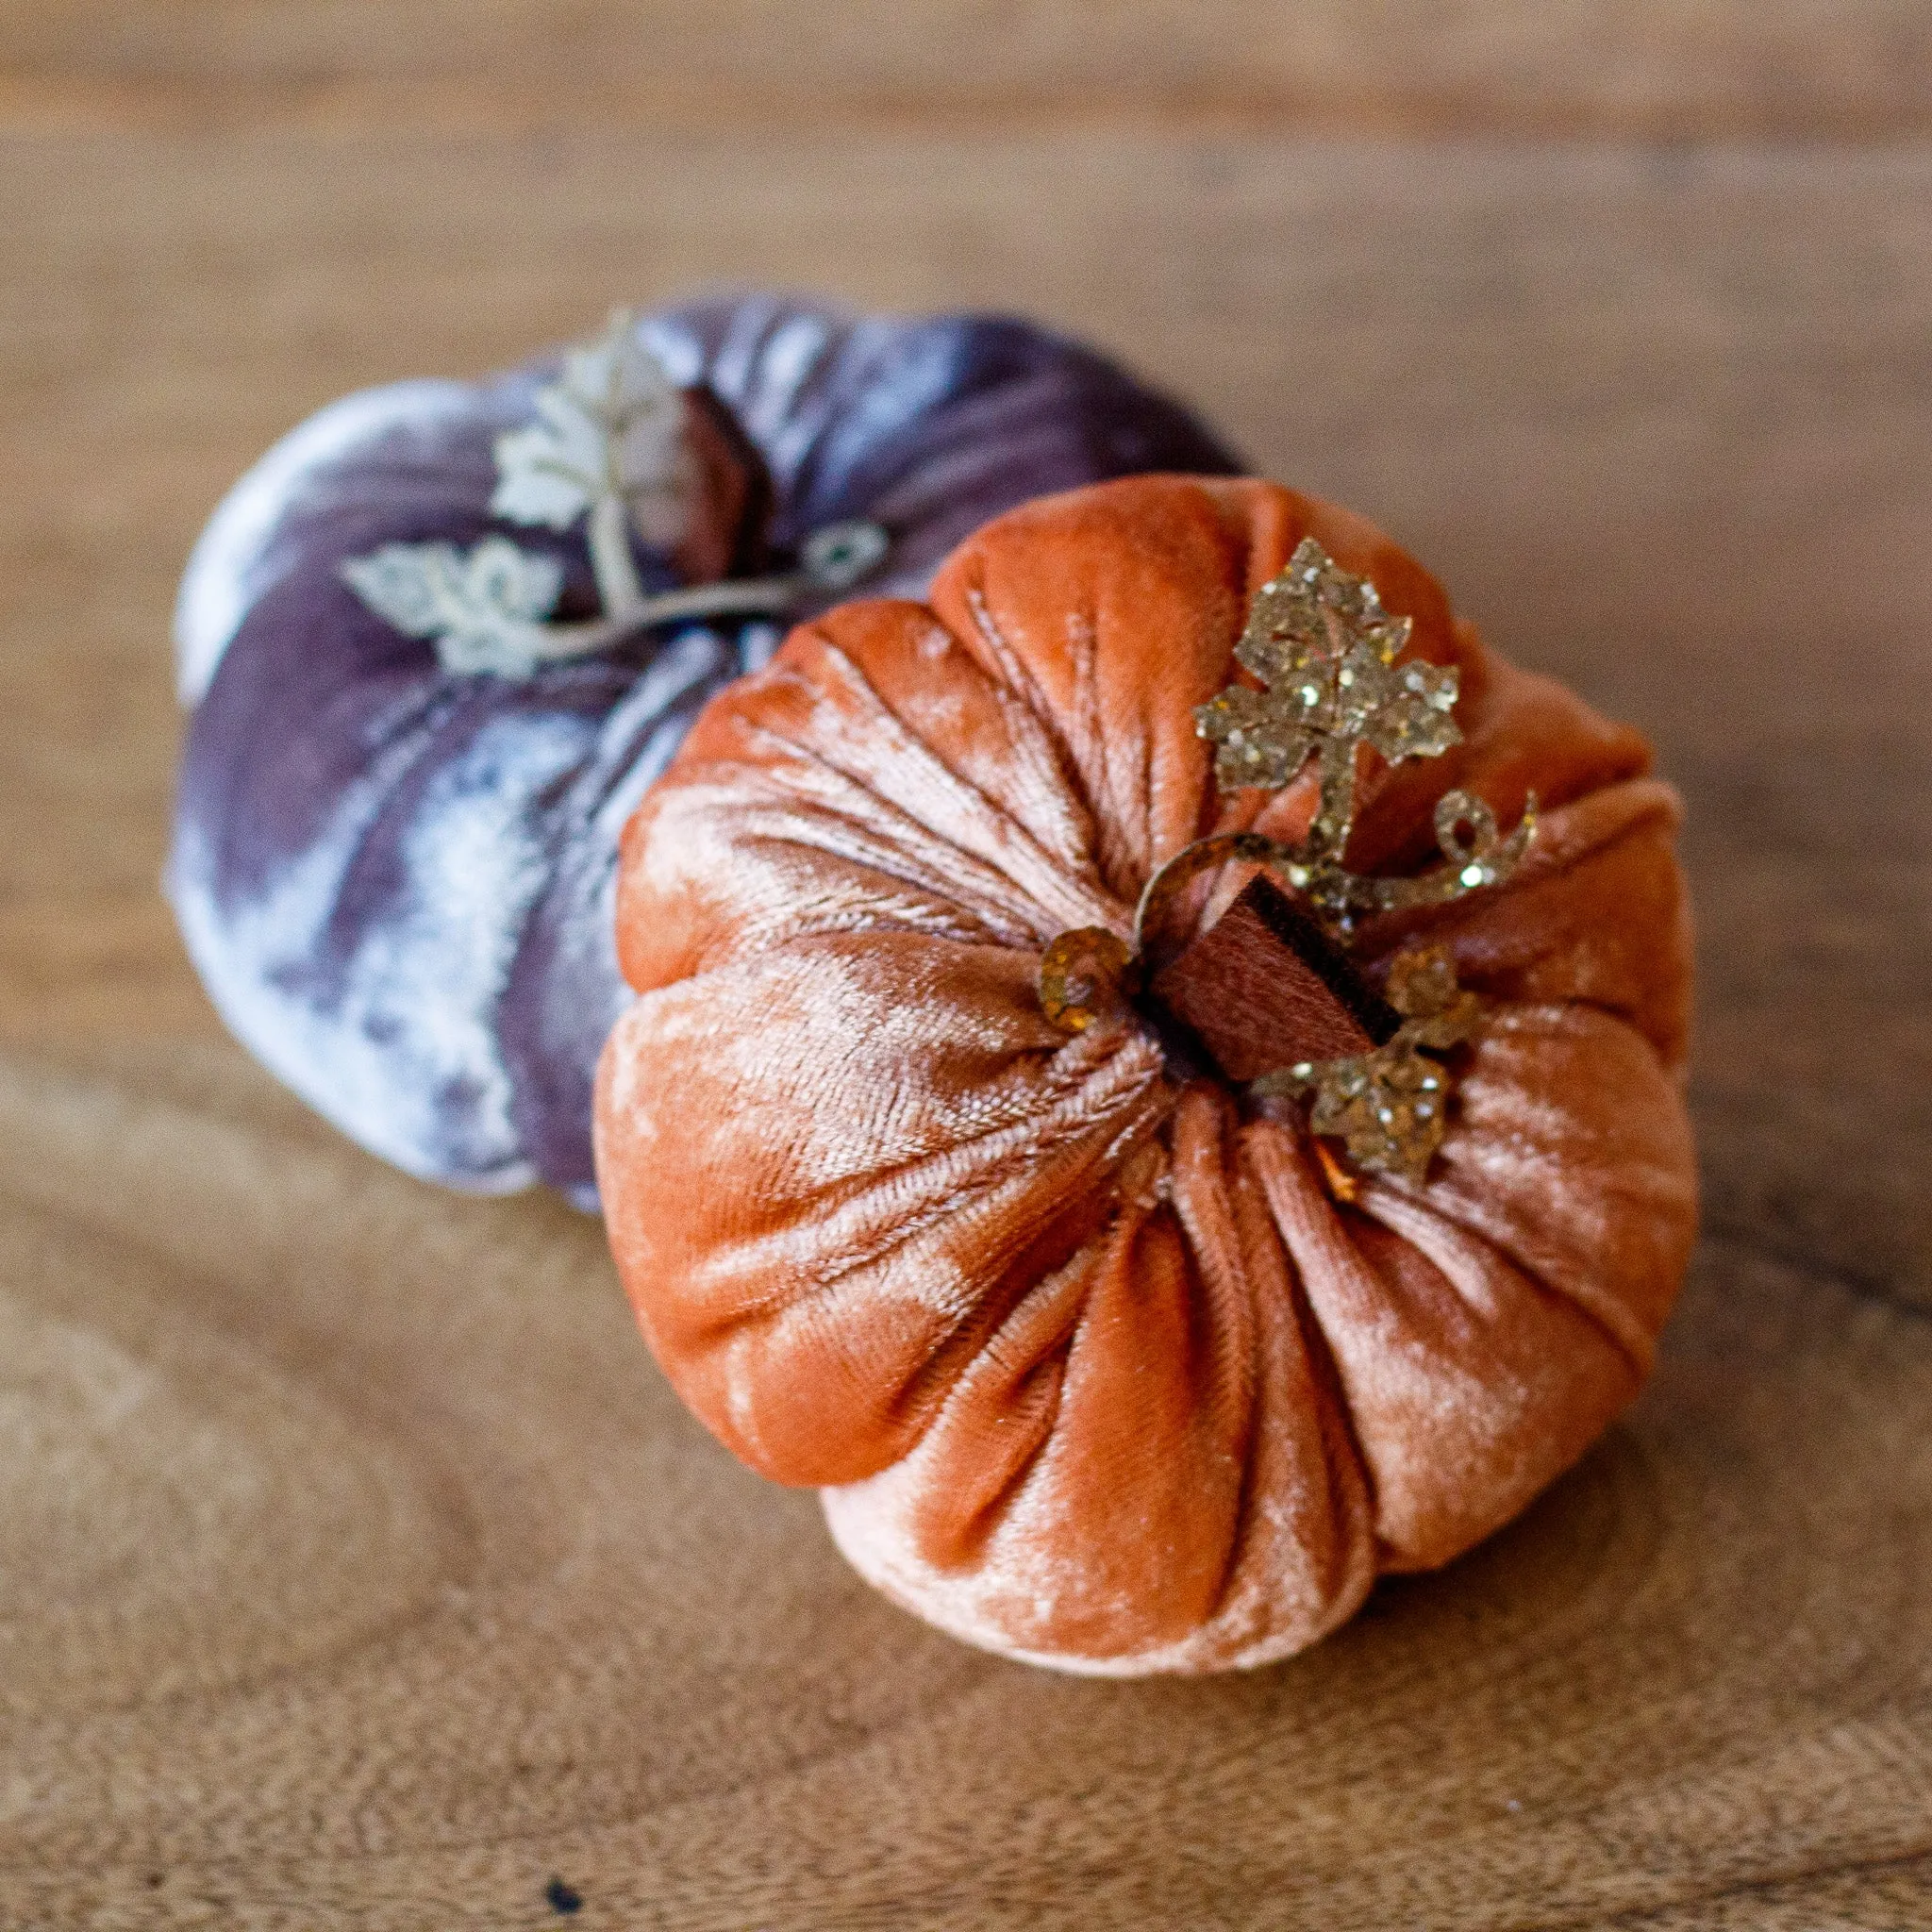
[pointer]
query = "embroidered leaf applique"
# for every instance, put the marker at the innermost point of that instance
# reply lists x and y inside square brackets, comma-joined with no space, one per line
[1326,656]
[484,607]
[609,443]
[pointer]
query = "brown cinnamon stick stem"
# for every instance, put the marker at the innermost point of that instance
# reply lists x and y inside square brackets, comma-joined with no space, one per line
[1265,987]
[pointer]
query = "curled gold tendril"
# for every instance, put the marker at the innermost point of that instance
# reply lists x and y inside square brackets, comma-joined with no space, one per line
[1170,880]
[1083,973]
[1483,858]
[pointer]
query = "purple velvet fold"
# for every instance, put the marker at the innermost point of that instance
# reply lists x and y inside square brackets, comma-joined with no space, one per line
[396,882]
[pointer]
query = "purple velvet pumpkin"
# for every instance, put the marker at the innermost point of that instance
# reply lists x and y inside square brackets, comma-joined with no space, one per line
[397,879]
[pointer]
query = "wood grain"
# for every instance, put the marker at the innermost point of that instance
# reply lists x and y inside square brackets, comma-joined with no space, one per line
[355,1566]
[357,1570]
[1655,69]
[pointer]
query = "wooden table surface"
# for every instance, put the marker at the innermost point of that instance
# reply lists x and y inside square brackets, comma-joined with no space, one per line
[356,1566]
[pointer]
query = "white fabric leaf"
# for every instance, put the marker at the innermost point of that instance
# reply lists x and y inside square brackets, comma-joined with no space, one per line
[483,609]
[553,469]
[613,425]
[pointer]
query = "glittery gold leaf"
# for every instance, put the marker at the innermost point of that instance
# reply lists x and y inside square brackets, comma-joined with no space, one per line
[1389,1106]
[1326,653]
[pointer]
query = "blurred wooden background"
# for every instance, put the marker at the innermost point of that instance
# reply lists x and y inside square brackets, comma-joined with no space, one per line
[356,1567]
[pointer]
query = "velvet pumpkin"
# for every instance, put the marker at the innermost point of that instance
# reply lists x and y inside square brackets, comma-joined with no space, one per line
[397,880]
[1094,1365]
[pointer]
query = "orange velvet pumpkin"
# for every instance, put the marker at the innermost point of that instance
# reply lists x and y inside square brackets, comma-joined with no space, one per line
[1092,1367]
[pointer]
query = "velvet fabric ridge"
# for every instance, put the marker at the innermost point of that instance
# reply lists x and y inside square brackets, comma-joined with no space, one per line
[1090,1367]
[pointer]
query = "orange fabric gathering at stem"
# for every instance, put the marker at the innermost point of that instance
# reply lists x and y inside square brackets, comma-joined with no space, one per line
[1095,1362]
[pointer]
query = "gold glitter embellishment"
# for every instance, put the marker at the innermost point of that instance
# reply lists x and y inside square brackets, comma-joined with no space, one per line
[1325,651]
[1389,1106]
[1327,658]
[1083,974]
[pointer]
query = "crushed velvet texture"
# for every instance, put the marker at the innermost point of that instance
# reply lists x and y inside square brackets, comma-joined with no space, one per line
[1090,1367]
[397,883]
